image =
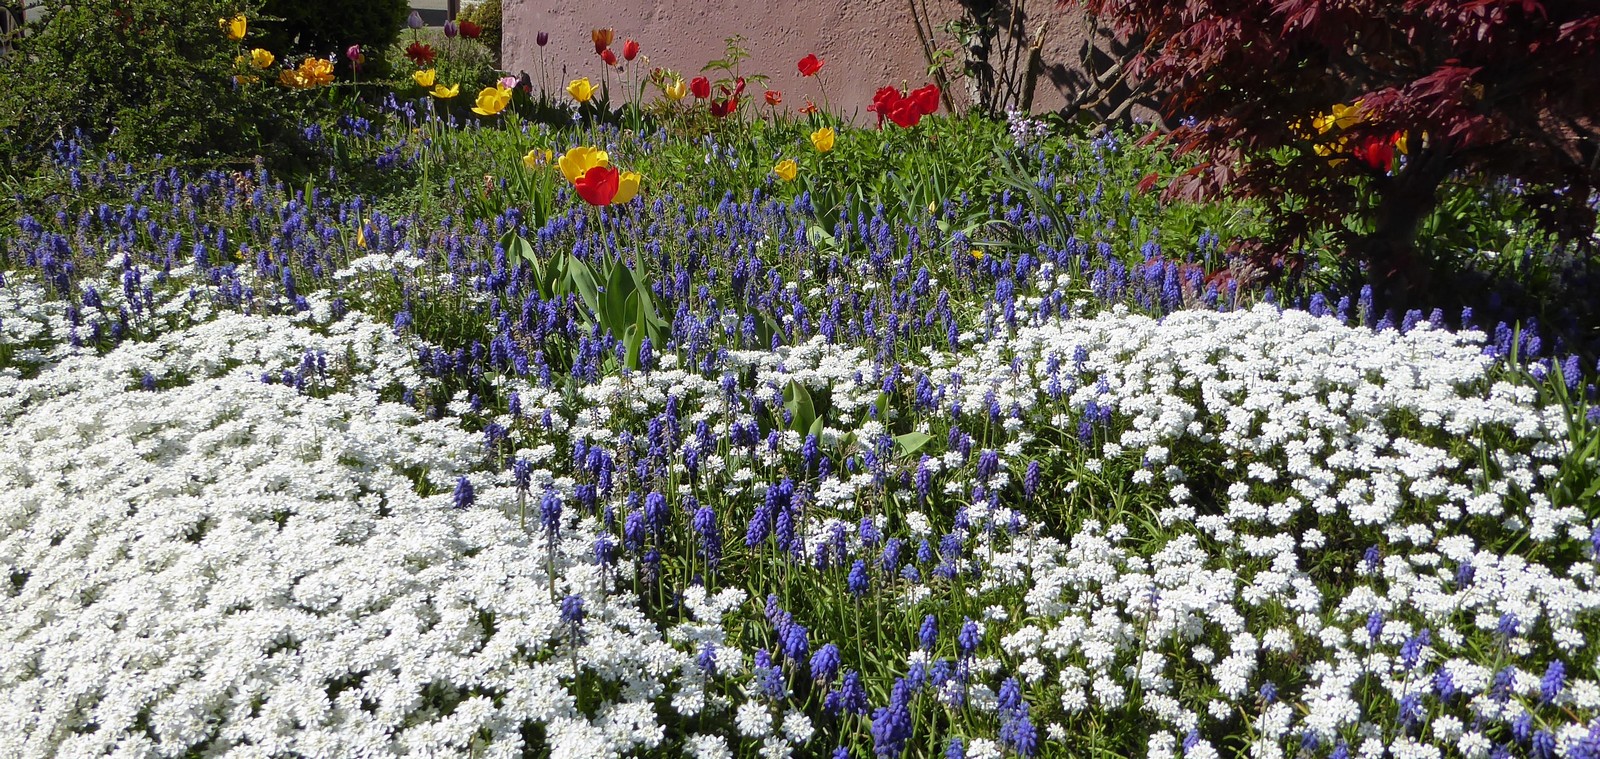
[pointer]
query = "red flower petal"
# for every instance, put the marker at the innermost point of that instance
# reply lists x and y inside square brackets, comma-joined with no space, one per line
[598,185]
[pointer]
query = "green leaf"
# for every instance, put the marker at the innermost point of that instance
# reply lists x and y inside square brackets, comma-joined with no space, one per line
[618,295]
[517,248]
[581,278]
[797,399]
[911,442]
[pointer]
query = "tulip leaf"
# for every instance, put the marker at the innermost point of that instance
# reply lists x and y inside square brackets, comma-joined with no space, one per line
[797,399]
[581,279]
[517,248]
[633,337]
[619,290]
[911,442]
[648,304]
[816,428]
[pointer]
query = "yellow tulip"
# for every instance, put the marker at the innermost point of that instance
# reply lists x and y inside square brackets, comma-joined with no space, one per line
[627,186]
[361,233]
[581,90]
[424,78]
[261,58]
[578,161]
[786,169]
[536,158]
[822,139]
[492,100]
[675,90]
[316,72]
[291,78]
[445,93]
[235,27]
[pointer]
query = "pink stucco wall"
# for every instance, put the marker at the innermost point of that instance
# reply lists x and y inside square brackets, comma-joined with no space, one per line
[865,43]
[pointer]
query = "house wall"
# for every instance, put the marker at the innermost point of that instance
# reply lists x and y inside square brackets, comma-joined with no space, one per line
[865,44]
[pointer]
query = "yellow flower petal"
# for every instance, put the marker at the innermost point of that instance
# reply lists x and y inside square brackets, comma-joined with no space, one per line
[786,169]
[627,186]
[536,158]
[580,89]
[424,79]
[822,139]
[579,160]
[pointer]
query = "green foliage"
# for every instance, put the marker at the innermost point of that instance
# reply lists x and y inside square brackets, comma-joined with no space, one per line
[319,27]
[456,61]
[140,76]
[486,14]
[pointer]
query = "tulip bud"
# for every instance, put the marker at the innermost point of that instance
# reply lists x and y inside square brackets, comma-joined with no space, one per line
[701,87]
[609,57]
[415,21]
[542,39]
[630,50]
[353,52]
[450,29]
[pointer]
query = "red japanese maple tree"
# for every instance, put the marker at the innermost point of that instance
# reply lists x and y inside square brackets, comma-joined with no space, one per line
[1457,88]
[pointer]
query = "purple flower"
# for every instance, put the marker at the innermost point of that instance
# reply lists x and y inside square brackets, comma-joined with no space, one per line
[1410,710]
[858,582]
[463,494]
[1010,697]
[1370,559]
[572,610]
[969,637]
[795,646]
[1411,650]
[825,663]
[1444,685]
[542,39]
[1544,745]
[1509,625]
[451,30]
[1553,682]
[415,20]
[955,750]
[705,525]
[891,725]
[550,512]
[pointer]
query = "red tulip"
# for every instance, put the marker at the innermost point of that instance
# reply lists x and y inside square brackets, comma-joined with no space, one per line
[598,185]
[810,65]
[774,97]
[1377,152]
[700,87]
[470,30]
[721,108]
[609,57]
[419,53]
[884,101]
[905,113]
[630,50]
[927,99]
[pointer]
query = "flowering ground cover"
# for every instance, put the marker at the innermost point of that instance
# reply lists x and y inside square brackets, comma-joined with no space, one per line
[492,437]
